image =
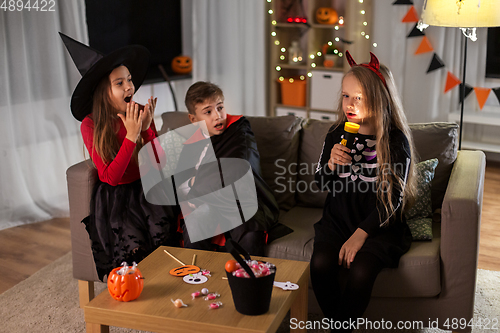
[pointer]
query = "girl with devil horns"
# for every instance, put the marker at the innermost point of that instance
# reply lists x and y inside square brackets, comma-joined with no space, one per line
[363,228]
[122,224]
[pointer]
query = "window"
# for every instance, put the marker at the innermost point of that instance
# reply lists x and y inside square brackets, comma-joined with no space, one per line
[493,53]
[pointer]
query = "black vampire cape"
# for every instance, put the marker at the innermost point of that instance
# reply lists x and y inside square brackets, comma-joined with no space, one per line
[238,142]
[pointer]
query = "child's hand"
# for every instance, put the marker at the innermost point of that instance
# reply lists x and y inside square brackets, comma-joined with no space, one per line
[132,121]
[149,112]
[351,247]
[339,156]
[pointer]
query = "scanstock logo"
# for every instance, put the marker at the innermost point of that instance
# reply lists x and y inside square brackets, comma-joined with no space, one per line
[223,196]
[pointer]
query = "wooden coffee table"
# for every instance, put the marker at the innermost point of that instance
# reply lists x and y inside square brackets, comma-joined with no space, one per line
[154,311]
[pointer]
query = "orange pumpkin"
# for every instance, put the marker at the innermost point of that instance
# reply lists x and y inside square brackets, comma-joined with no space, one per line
[182,65]
[126,287]
[326,15]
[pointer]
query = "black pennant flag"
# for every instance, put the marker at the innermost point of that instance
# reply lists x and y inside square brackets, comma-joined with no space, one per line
[415,32]
[435,63]
[497,92]
[468,90]
[403,2]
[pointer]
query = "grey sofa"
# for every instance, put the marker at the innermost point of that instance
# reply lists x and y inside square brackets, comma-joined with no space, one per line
[435,279]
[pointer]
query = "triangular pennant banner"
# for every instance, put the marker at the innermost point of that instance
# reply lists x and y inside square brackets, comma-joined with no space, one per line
[415,32]
[451,82]
[435,63]
[468,90]
[403,2]
[411,16]
[425,46]
[481,95]
[497,93]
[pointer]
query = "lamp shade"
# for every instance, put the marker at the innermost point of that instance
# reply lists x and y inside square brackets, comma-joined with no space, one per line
[462,13]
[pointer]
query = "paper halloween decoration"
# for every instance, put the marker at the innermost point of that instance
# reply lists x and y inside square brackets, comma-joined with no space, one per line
[286,285]
[425,46]
[481,95]
[451,82]
[411,16]
[197,278]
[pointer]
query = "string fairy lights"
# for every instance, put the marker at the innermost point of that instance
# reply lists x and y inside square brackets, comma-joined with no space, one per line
[364,26]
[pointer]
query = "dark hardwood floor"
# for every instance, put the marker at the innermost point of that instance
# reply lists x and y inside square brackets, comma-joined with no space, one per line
[26,249]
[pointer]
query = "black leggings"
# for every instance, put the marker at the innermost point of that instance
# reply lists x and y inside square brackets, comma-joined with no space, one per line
[343,294]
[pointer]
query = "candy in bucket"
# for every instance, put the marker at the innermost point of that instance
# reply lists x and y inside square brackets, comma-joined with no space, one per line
[253,288]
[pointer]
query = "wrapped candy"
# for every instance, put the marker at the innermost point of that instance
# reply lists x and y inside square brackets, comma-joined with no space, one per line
[178,303]
[215,305]
[258,268]
[212,296]
[195,294]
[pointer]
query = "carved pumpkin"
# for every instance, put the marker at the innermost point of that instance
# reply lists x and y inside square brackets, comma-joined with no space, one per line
[182,65]
[184,270]
[326,15]
[126,287]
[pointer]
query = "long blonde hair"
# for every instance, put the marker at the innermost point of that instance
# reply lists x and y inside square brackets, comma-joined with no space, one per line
[106,123]
[385,107]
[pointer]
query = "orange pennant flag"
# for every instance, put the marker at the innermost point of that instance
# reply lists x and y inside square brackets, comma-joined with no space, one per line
[425,46]
[481,95]
[451,82]
[411,16]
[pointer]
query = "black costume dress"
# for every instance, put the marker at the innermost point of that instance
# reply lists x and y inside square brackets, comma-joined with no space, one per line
[344,294]
[122,224]
[237,141]
[352,197]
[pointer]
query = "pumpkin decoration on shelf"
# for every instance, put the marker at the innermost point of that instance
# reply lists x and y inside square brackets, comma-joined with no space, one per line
[125,283]
[182,64]
[326,15]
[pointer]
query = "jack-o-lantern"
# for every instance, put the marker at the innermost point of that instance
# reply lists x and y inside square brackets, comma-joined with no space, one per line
[182,64]
[125,287]
[326,15]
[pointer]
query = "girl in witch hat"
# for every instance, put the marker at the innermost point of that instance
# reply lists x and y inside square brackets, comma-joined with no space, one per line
[122,225]
[363,228]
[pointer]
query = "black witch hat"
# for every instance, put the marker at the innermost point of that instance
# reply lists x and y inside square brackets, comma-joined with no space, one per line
[93,66]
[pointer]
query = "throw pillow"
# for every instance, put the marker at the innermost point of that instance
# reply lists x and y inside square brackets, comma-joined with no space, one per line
[419,216]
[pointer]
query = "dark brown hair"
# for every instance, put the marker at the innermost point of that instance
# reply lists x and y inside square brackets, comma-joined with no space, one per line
[105,119]
[200,92]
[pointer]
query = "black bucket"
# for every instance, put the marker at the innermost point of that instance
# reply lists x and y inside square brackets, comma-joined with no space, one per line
[251,296]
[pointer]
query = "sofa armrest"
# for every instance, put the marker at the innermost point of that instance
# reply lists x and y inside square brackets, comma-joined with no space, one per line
[81,178]
[461,219]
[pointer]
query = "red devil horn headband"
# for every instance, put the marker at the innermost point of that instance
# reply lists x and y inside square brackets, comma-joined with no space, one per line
[374,65]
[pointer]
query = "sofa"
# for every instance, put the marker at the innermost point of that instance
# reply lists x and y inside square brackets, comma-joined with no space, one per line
[435,279]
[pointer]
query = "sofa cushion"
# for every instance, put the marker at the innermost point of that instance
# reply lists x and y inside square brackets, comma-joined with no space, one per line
[313,136]
[419,215]
[437,140]
[418,274]
[299,244]
[173,120]
[278,144]
[424,174]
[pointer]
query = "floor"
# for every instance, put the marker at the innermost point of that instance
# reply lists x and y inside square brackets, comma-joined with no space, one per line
[28,248]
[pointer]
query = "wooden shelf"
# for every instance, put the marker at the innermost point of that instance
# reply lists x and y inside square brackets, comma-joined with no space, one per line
[311,37]
[326,26]
[289,66]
